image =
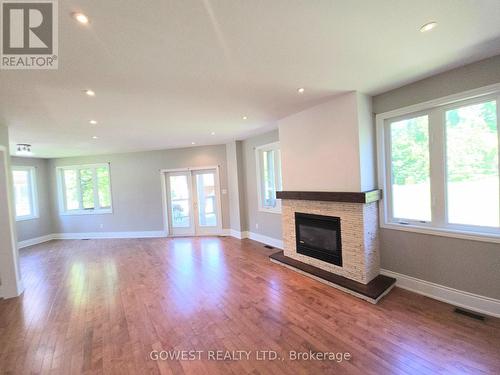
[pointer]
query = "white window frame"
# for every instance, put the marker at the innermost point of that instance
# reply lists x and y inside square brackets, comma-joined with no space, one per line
[97,210]
[436,110]
[275,146]
[33,187]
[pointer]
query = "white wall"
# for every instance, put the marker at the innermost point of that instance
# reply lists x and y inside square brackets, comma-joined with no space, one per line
[320,146]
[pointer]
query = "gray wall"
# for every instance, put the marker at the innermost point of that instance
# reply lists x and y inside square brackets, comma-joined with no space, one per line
[136,188]
[235,174]
[265,223]
[42,226]
[467,265]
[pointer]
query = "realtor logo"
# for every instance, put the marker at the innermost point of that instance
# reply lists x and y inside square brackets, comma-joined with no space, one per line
[29,35]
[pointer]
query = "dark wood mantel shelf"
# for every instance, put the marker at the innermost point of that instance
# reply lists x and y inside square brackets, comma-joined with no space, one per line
[327,196]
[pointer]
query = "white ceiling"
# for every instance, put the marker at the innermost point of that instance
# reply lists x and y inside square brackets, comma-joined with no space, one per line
[168,73]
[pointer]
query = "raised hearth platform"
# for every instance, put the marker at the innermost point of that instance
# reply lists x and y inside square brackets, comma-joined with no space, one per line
[371,292]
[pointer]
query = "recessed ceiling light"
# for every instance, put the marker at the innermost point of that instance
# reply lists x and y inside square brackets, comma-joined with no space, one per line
[193,143]
[244,117]
[213,133]
[428,26]
[93,122]
[80,17]
[95,137]
[89,92]
[301,90]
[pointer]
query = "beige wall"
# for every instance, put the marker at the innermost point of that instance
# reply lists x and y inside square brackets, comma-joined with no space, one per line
[42,226]
[136,188]
[264,223]
[462,264]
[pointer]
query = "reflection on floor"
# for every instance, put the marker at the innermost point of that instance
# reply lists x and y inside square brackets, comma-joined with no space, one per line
[102,306]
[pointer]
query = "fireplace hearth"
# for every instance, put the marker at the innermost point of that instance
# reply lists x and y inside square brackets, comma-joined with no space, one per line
[319,237]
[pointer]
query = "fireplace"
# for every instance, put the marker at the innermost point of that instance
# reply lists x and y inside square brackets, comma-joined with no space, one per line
[318,236]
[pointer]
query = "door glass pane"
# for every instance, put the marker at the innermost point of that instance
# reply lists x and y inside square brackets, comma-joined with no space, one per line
[205,186]
[103,187]
[87,188]
[410,177]
[472,165]
[70,183]
[22,193]
[179,198]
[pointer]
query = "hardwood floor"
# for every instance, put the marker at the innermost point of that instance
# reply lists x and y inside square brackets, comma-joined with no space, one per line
[102,306]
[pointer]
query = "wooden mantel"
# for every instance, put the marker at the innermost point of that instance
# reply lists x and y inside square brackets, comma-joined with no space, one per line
[327,196]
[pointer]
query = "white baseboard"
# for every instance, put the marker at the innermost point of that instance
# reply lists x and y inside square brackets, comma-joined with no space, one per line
[237,234]
[265,239]
[35,241]
[460,298]
[103,235]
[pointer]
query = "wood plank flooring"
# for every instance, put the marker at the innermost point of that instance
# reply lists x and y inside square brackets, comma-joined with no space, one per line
[102,306]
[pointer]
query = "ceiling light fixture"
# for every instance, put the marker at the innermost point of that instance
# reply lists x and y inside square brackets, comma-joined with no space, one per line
[23,149]
[89,92]
[193,143]
[244,117]
[95,137]
[93,122]
[301,90]
[80,17]
[428,26]
[213,133]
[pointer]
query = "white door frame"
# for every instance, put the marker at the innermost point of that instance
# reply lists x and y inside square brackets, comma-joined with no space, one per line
[163,177]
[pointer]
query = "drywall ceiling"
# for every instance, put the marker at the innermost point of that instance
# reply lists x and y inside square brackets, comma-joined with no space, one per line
[169,73]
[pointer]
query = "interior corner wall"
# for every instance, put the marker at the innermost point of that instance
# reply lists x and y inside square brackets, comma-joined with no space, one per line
[235,185]
[136,189]
[256,221]
[472,266]
[41,226]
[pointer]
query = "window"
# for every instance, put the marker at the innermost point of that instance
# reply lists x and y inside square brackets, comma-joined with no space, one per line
[440,168]
[25,193]
[84,189]
[268,177]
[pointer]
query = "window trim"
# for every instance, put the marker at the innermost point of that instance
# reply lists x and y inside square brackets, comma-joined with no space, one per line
[258,163]
[62,191]
[434,107]
[33,190]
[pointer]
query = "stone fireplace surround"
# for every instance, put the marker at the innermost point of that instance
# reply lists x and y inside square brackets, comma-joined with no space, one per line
[358,213]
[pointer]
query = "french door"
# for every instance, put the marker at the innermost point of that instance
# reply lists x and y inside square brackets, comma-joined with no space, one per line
[193,202]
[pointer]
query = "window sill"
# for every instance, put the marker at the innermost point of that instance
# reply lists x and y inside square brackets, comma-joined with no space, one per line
[453,233]
[25,218]
[86,212]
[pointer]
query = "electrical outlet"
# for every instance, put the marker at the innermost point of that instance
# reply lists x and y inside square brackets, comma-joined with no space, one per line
[256,225]
[101,226]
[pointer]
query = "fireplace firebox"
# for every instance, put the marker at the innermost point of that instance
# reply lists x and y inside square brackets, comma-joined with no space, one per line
[318,236]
